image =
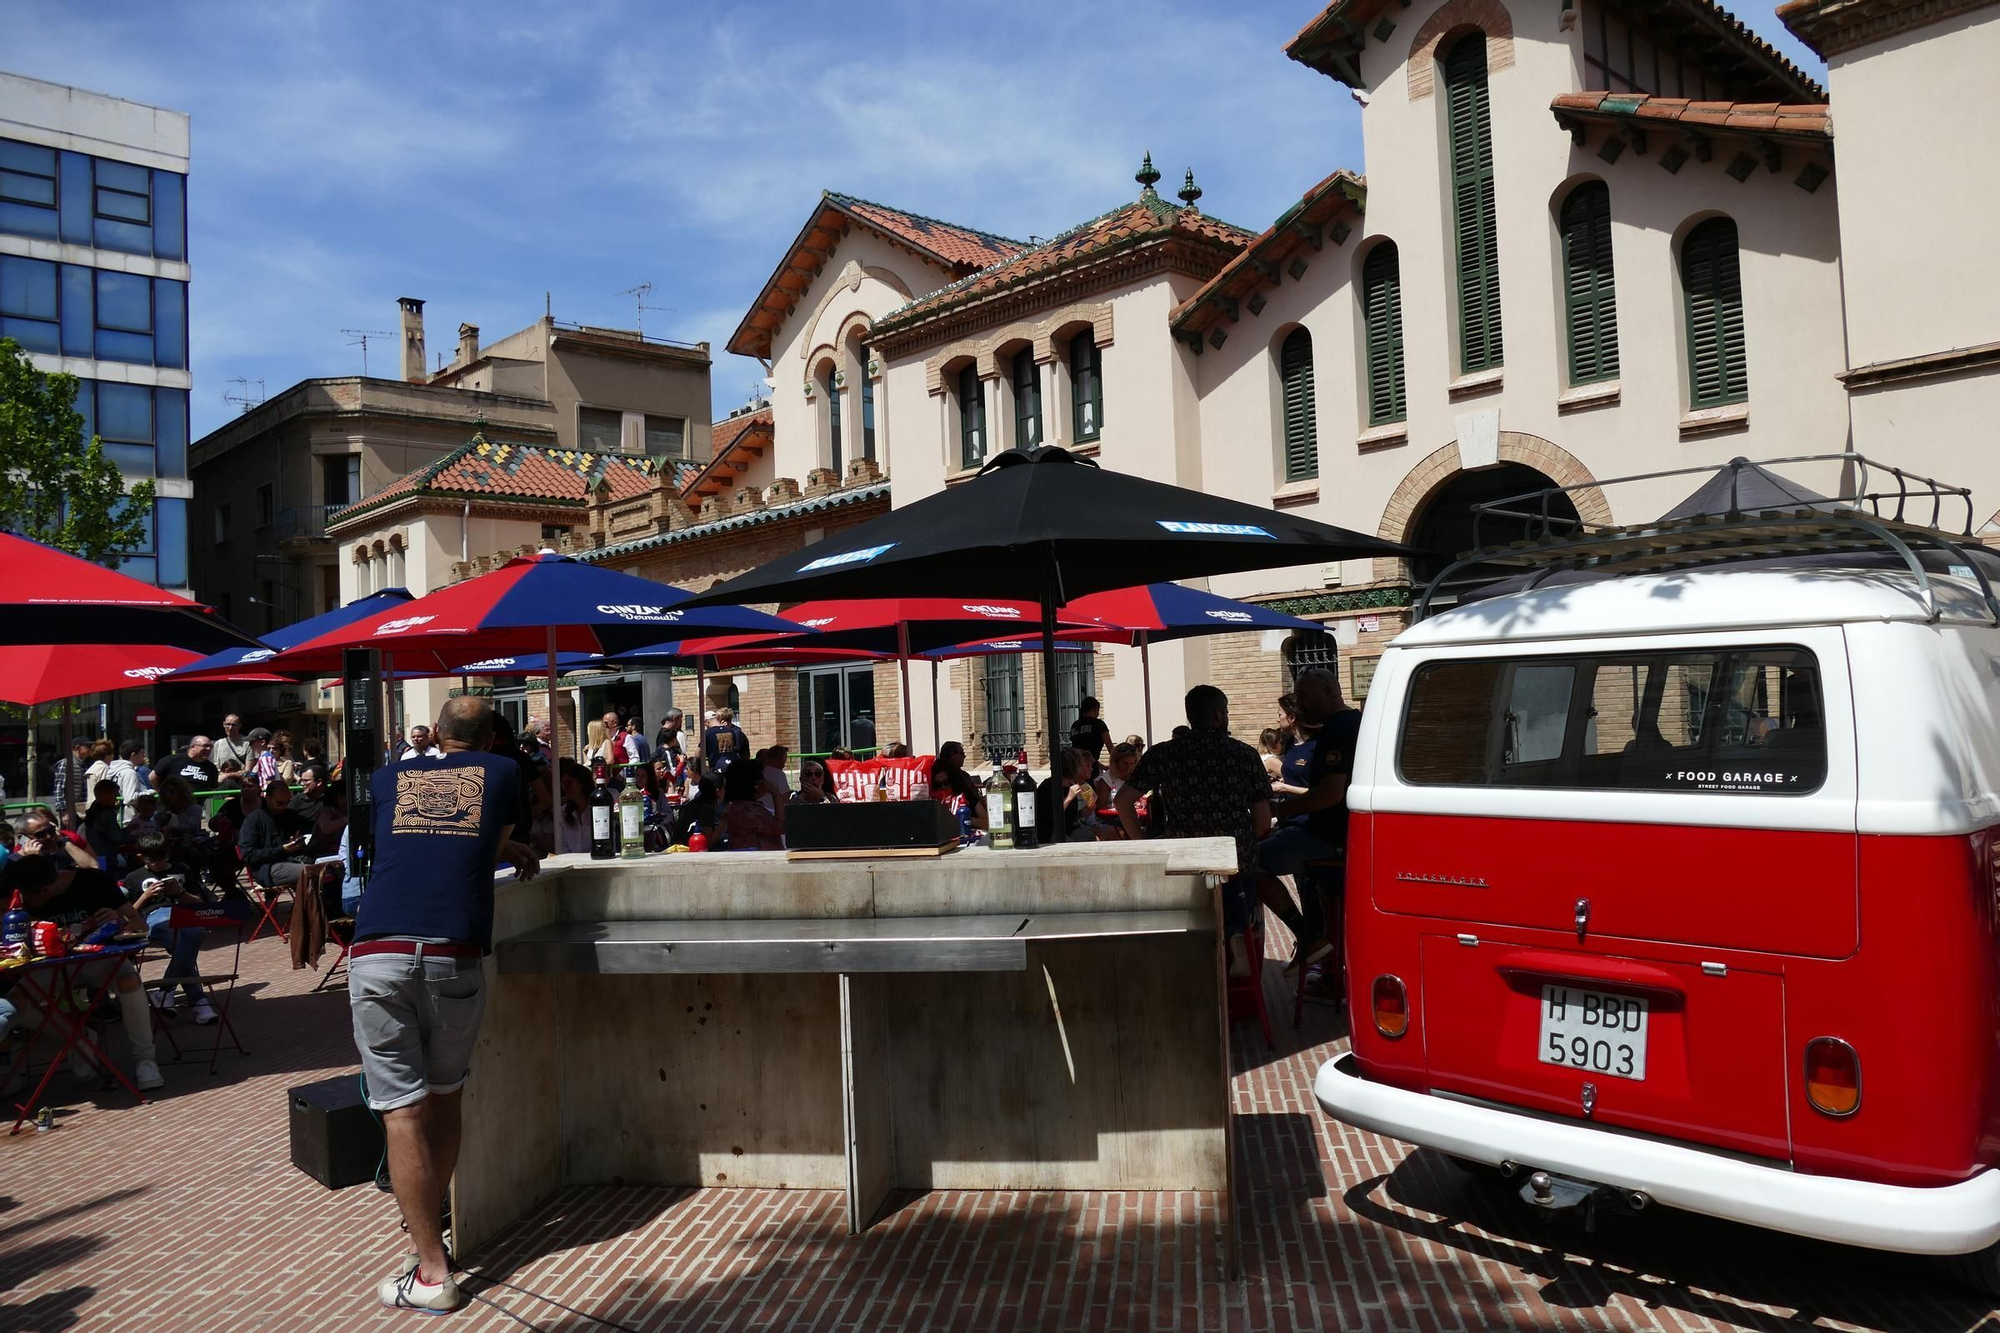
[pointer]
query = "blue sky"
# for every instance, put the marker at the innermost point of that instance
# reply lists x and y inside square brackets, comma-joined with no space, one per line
[348,152]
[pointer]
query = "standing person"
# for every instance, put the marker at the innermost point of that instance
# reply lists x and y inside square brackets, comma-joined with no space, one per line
[193,765]
[101,754]
[124,770]
[103,828]
[420,745]
[667,740]
[1089,733]
[281,750]
[1216,787]
[71,791]
[1316,819]
[263,760]
[724,743]
[861,730]
[415,981]
[537,748]
[637,751]
[232,746]
[614,738]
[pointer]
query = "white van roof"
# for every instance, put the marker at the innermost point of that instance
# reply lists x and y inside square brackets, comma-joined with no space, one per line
[1701,600]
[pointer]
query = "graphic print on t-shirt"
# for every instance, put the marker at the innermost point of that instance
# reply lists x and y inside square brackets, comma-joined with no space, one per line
[446,801]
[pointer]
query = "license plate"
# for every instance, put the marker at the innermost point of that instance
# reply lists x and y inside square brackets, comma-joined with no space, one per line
[1593,1031]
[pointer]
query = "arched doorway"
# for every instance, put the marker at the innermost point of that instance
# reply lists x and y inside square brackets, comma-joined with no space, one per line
[1444,525]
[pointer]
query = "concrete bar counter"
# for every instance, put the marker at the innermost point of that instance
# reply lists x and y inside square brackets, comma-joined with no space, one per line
[1048,1019]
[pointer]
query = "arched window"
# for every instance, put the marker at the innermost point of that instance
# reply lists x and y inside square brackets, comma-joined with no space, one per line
[1086,385]
[395,566]
[867,402]
[833,416]
[363,574]
[1588,297]
[1474,225]
[1295,375]
[1382,311]
[1303,650]
[1712,291]
[971,418]
[1027,400]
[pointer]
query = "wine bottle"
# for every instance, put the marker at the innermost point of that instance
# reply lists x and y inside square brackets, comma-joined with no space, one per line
[603,817]
[632,816]
[1026,833]
[1000,810]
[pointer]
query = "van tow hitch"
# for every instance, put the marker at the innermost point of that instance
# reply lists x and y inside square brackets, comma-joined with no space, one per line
[1559,1194]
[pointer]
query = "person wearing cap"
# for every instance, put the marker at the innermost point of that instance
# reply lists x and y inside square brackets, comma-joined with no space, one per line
[263,759]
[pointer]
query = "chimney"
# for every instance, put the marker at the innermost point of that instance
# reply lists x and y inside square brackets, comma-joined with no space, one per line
[468,344]
[413,339]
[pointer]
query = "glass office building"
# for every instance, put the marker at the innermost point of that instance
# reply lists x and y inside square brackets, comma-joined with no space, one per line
[94,281]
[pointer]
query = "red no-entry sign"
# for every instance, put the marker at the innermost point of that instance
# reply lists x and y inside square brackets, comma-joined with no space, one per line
[144,719]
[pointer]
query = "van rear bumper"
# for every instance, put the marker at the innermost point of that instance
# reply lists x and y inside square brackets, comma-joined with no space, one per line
[1945,1219]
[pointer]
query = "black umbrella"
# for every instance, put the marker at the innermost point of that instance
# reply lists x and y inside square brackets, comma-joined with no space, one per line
[1046,526]
[1743,487]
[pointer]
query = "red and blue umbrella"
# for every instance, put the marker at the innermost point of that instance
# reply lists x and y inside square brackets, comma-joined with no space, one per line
[246,665]
[51,597]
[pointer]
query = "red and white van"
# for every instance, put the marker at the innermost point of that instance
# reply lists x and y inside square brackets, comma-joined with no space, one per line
[1683,887]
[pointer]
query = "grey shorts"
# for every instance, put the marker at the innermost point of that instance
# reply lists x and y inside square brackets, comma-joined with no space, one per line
[415,1023]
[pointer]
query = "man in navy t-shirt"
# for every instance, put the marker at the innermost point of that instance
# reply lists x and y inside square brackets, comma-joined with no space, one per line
[1320,833]
[415,982]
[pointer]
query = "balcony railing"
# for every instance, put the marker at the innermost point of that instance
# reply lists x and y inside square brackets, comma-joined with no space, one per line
[306,522]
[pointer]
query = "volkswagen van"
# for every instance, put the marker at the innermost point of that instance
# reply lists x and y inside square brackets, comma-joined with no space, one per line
[1681,887]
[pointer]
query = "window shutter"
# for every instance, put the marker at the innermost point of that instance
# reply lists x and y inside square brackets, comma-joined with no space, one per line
[1295,373]
[971,419]
[1027,401]
[1718,369]
[1086,372]
[1382,296]
[1588,293]
[1474,224]
[833,417]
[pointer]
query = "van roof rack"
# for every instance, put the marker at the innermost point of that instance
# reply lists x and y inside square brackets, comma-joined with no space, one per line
[1860,520]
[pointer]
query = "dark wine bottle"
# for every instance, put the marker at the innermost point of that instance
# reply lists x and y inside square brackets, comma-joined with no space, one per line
[1026,833]
[603,817]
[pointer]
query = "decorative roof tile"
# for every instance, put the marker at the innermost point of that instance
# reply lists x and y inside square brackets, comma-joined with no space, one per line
[1812,121]
[953,247]
[1299,228]
[817,504]
[1148,218]
[520,473]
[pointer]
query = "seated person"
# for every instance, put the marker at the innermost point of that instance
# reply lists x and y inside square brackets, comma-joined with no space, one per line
[564,829]
[950,782]
[103,830]
[153,890]
[814,789]
[1066,802]
[744,824]
[145,816]
[699,810]
[273,840]
[777,783]
[80,900]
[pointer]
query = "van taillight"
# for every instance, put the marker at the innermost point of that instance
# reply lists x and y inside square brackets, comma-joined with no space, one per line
[1833,1077]
[1392,1006]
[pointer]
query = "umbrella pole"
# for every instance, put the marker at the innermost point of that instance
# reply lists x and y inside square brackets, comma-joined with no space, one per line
[1146,682]
[937,728]
[555,723]
[903,661]
[395,733]
[1050,594]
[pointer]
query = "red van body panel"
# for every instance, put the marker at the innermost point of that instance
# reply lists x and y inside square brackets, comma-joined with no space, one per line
[1888,943]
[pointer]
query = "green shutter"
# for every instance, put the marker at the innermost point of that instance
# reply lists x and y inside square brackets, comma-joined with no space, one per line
[971,419]
[833,414]
[1027,400]
[1718,369]
[1474,224]
[1382,300]
[1588,295]
[1086,381]
[1295,373]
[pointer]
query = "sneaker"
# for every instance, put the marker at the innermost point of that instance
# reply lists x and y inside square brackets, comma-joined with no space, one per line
[146,1076]
[1239,957]
[408,1291]
[162,1000]
[82,1068]
[1307,957]
[202,1012]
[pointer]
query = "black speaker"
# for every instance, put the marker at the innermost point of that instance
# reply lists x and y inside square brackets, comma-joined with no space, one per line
[335,1138]
[861,826]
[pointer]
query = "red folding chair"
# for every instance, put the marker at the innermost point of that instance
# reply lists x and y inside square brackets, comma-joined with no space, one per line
[267,898]
[210,919]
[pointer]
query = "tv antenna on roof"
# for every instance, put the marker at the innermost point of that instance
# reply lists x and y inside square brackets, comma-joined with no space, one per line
[359,338]
[639,295]
[243,398]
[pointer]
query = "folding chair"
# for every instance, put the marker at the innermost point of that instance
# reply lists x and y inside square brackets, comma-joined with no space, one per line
[266,899]
[339,928]
[211,919]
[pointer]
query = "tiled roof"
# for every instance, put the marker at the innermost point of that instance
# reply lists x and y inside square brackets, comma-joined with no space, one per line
[531,474]
[755,518]
[1704,31]
[1763,119]
[958,249]
[1299,232]
[1148,218]
[749,434]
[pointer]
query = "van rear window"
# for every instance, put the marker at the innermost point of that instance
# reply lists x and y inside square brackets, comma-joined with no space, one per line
[1728,720]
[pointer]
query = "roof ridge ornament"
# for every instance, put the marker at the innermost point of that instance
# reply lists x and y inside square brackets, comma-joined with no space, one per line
[1189,191]
[1148,176]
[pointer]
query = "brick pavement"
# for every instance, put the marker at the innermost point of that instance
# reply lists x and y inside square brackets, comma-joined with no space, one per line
[186,1215]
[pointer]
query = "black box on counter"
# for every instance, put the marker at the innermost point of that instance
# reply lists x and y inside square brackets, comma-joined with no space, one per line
[870,828]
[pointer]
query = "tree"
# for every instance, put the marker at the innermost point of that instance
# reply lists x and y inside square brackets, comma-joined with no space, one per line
[54,488]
